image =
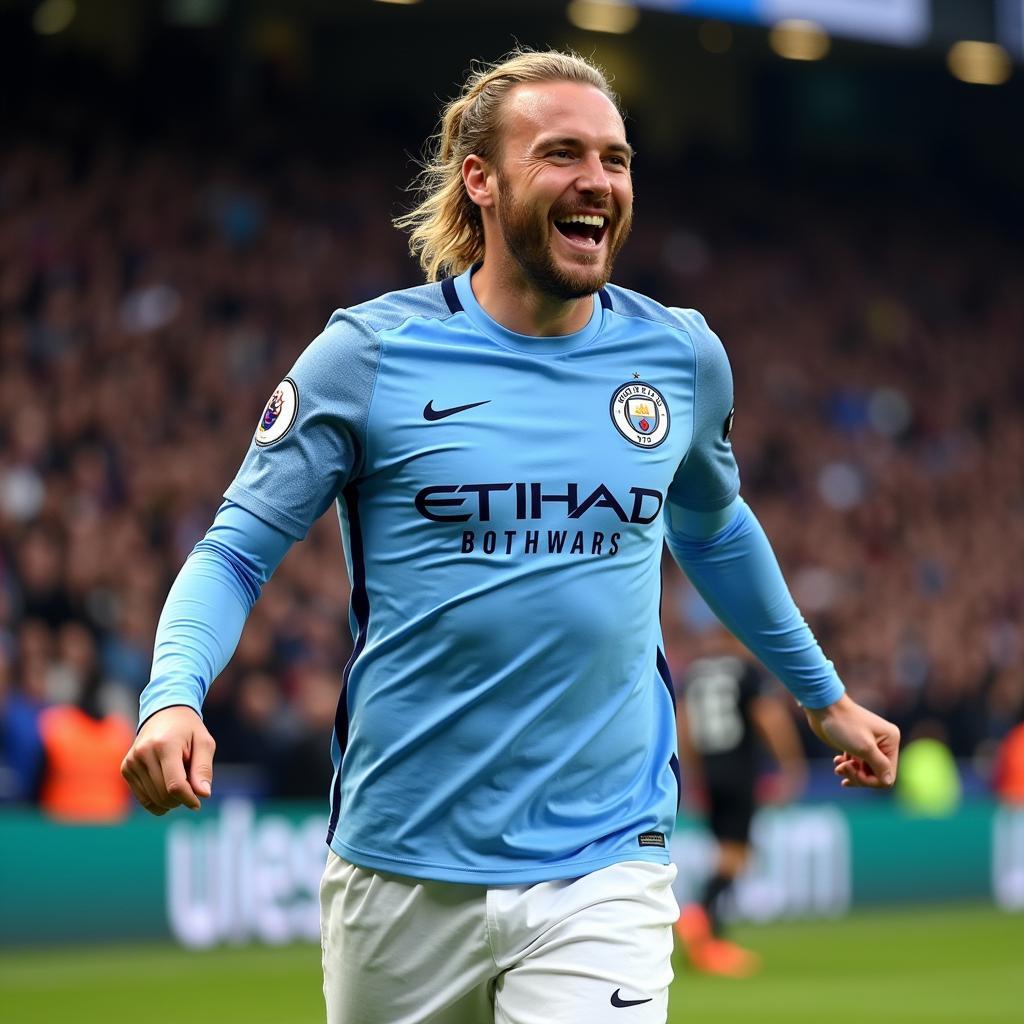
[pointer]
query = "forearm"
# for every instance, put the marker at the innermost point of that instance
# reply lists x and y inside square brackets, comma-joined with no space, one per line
[736,573]
[198,632]
[207,607]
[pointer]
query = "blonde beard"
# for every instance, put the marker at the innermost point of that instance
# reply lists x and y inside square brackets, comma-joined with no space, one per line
[520,233]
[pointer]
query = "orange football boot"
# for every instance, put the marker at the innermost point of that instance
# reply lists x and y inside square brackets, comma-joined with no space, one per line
[693,927]
[718,956]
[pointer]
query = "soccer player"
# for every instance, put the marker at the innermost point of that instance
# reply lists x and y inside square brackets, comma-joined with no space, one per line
[728,712]
[508,449]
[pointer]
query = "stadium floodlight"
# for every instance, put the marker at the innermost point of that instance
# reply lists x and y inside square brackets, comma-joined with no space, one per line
[53,16]
[796,39]
[979,63]
[615,16]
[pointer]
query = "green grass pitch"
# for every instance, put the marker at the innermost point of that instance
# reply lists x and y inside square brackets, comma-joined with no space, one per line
[959,965]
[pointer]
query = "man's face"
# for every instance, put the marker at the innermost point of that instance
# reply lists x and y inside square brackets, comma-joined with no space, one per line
[565,192]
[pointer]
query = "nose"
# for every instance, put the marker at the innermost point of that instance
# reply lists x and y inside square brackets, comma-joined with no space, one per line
[593,178]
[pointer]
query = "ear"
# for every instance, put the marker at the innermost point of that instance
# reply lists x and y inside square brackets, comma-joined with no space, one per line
[479,181]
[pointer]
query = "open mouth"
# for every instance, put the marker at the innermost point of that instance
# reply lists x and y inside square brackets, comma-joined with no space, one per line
[586,230]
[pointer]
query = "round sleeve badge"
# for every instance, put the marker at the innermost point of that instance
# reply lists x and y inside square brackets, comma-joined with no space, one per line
[640,414]
[279,415]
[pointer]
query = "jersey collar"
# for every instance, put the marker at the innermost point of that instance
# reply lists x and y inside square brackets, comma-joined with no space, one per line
[523,342]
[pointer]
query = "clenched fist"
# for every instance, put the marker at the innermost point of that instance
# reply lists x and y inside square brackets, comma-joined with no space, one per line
[171,761]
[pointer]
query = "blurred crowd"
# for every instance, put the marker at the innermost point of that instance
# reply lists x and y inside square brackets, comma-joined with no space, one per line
[150,299]
[876,347]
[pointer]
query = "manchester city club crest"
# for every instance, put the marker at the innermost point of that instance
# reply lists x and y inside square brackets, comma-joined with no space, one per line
[640,414]
[279,415]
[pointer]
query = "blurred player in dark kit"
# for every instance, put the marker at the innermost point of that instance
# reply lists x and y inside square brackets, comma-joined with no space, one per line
[729,714]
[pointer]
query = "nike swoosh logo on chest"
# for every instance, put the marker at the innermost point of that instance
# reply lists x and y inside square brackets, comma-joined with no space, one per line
[431,414]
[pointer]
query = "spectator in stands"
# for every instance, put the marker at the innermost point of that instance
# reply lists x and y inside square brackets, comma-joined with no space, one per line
[21,749]
[83,742]
[1008,776]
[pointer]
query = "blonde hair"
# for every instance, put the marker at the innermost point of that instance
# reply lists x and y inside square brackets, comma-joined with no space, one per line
[445,228]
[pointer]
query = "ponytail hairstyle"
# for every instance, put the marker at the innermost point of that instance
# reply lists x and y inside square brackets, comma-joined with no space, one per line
[445,229]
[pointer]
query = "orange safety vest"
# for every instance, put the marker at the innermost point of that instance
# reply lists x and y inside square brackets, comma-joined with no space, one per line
[82,779]
[1009,769]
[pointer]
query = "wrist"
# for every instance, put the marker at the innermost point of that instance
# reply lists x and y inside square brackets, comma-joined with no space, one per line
[844,702]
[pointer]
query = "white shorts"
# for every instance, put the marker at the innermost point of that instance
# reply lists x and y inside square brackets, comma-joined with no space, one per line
[594,949]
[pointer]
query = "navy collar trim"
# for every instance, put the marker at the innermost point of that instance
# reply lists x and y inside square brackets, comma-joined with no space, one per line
[451,296]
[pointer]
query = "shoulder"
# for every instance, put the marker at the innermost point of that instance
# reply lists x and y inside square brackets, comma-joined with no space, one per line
[353,333]
[687,322]
[392,309]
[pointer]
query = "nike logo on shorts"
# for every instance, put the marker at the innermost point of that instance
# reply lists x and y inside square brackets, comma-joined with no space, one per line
[616,1001]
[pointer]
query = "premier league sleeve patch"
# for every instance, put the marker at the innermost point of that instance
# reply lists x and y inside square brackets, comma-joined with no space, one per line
[279,415]
[640,414]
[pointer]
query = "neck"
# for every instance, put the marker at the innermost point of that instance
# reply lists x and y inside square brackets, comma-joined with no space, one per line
[507,297]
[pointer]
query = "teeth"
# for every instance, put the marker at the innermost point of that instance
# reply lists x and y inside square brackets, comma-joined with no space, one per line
[582,218]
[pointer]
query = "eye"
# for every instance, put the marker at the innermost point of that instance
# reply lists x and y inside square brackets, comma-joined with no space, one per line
[561,154]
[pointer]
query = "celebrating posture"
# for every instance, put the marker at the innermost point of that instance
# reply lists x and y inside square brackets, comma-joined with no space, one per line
[508,446]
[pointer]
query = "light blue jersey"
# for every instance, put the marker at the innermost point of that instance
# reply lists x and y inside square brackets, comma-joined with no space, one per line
[507,714]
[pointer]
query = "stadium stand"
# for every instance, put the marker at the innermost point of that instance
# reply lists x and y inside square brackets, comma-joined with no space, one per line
[151,297]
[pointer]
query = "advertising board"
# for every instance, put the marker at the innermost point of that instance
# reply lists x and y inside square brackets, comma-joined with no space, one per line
[240,873]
